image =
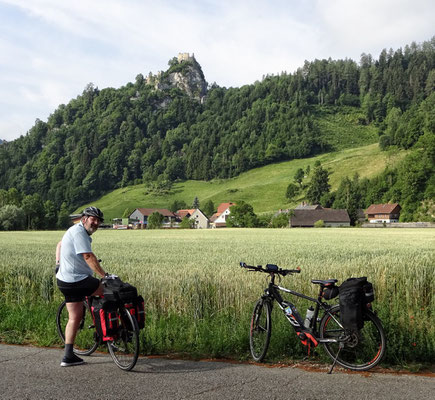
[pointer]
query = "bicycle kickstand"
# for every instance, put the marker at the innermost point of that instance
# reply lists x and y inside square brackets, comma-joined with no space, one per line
[335,359]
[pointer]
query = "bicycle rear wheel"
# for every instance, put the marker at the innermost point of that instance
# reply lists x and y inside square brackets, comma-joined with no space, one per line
[86,341]
[125,348]
[362,349]
[261,329]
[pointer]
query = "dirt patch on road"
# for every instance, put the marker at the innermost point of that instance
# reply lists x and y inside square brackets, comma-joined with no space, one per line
[309,366]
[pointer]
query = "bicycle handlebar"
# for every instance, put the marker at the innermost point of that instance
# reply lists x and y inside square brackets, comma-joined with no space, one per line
[108,277]
[270,269]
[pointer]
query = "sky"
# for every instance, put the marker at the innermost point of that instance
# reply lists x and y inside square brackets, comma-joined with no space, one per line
[51,49]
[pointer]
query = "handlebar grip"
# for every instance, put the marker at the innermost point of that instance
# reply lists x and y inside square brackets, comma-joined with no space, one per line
[290,271]
[251,267]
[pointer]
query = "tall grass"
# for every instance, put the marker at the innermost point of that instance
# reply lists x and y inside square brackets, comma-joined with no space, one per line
[199,301]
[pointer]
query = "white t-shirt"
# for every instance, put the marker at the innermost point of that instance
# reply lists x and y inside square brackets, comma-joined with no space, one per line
[73,267]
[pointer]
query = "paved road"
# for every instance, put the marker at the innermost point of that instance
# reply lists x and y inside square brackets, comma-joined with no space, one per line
[35,373]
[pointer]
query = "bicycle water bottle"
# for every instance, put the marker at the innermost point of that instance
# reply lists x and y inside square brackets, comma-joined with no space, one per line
[292,314]
[309,315]
[288,309]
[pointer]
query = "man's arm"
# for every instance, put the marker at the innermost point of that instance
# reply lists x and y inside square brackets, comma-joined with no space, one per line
[58,252]
[93,263]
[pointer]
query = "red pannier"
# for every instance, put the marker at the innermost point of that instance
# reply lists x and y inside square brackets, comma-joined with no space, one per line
[106,318]
[117,290]
[136,307]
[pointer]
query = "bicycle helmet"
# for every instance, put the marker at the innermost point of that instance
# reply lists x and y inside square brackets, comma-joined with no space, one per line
[93,212]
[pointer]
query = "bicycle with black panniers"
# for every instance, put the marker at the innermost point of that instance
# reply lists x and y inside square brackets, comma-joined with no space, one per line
[114,319]
[353,338]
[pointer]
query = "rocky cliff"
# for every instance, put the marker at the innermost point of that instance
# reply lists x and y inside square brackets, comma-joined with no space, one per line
[184,73]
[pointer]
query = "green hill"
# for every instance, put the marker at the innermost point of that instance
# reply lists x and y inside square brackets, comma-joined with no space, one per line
[264,188]
[224,144]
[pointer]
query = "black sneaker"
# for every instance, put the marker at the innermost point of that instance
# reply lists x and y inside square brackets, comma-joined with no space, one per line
[70,361]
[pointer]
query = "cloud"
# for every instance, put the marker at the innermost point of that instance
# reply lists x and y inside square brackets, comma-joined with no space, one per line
[369,26]
[50,50]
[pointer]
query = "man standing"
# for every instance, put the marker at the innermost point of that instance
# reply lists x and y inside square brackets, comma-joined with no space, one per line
[77,264]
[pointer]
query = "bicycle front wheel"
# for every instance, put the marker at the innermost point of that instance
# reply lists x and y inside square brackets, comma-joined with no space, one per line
[360,350]
[86,341]
[261,329]
[125,348]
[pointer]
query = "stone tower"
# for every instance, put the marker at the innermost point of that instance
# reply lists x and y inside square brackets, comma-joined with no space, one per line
[185,57]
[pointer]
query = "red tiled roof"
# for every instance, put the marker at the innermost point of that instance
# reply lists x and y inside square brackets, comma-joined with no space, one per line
[185,212]
[382,208]
[223,206]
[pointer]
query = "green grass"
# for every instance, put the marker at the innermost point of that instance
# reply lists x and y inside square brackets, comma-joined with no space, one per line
[264,188]
[342,128]
[199,301]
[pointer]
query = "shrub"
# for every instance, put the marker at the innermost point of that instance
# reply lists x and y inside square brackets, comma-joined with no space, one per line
[187,223]
[319,224]
[12,218]
[155,220]
[280,221]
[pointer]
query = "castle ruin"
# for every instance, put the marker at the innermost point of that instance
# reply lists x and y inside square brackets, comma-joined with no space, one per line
[185,57]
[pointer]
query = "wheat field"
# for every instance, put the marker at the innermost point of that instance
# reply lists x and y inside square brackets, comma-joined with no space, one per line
[199,300]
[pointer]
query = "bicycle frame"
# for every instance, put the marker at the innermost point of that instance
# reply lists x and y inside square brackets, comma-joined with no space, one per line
[357,350]
[273,291]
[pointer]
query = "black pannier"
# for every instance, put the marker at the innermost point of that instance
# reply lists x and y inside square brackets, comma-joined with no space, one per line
[330,292]
[352,298]
[117,291]
[106,318]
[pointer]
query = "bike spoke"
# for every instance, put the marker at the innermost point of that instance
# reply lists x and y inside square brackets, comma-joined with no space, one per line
[85,342]
[124,349]
[358,350]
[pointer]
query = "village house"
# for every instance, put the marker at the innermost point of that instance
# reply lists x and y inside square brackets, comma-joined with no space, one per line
[307,216]
[200,219]
[219,218]
[380,213]
[140,216]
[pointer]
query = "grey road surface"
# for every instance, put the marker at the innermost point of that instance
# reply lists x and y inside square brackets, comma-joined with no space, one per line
[35,373]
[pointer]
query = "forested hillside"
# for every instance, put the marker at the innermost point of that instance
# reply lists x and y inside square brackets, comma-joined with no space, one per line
[172,127]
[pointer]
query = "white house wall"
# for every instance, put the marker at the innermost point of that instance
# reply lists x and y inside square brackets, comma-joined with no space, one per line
[201,221]
[223,217]
[138,215]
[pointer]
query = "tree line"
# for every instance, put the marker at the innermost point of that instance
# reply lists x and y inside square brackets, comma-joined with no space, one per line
[19,211]
[110,138]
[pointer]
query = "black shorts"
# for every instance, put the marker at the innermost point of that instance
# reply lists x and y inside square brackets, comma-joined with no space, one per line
[77,291]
